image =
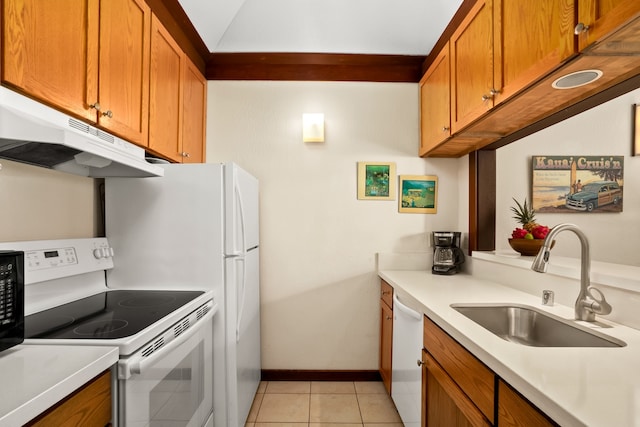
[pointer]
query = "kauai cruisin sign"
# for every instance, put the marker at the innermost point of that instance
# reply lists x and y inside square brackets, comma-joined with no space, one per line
[577,183]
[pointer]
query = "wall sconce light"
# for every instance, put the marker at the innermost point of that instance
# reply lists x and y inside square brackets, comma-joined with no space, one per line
[313,127]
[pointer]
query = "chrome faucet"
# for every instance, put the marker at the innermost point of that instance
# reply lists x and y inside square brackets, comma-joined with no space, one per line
[587,306]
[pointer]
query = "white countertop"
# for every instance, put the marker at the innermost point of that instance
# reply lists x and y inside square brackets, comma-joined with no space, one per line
[574,386]
[36,377]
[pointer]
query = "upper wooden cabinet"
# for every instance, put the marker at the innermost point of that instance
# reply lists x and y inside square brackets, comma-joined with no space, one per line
[50,51]
[106,63]
[54,51]
[177,101]
[471,47]
[194,113]
[165,93]
[504,57]
[530,40]
[503,46]
[435,103]
[598,18]
[123,85]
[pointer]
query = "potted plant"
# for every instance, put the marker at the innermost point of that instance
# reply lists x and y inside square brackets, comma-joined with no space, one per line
[527,239]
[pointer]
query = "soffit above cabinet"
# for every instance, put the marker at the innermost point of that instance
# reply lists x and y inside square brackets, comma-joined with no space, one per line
[409,27]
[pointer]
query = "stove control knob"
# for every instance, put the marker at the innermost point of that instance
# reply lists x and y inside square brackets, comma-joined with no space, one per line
[102,253]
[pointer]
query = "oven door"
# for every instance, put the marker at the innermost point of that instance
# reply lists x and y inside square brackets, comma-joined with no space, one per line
[173,386]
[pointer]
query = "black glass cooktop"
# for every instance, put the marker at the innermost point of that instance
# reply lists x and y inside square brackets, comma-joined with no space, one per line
[108,315]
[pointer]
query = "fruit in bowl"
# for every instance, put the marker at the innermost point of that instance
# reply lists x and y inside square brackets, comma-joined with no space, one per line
[528,238]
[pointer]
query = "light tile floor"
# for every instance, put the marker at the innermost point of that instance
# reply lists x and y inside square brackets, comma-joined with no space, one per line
[322,404]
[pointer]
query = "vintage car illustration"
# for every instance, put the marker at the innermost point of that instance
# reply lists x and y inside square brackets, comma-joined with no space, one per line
[594,195]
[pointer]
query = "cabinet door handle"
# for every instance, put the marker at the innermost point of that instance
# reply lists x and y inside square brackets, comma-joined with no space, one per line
[95,105]
[420,362]
[445,128]
[492,93]
[185,154]
[580,28]
[108,113]
[389,317]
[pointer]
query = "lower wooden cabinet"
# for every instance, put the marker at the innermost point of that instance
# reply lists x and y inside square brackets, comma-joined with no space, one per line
[474,379]
[90,406]
[460,391]
[444,402]
[515,411]
[386,333]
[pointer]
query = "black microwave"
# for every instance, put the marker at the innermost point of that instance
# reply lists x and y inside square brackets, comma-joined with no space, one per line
[11,298]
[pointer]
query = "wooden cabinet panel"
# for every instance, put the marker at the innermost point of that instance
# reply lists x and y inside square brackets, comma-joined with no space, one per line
[435,103]
[515,411]
[445,404]
[194,115]
[50,52]
[386,333]
[177,98]
[532,44]
[471,47]
[530,40]
[601,17]
[89,58]
[89,407]
[471,375]
[386,345]
[386,293]
[165,93]
[125,28]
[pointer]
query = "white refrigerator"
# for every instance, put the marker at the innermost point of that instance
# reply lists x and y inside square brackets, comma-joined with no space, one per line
[197,228]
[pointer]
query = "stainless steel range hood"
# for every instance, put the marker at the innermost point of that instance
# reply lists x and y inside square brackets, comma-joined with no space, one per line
[33,133]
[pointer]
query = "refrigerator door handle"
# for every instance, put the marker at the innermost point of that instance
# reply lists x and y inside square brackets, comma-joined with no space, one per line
[241,296]
[238,195]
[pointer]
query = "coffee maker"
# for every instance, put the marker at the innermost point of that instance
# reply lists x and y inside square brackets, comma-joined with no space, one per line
[447,255]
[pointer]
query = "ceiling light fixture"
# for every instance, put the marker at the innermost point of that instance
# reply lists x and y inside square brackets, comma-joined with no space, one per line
[313,127]
[577,79]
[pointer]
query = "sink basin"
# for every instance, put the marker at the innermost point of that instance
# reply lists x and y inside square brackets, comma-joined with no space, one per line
[528,326]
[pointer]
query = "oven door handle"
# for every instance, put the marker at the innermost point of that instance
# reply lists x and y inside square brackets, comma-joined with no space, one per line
[136,365]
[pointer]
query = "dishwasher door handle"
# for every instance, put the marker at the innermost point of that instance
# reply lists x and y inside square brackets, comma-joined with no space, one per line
[409,311]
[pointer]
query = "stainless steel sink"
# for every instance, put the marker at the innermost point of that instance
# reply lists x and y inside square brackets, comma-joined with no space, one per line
[528,326]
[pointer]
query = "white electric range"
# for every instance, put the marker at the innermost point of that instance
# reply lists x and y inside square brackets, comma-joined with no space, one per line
[164,337]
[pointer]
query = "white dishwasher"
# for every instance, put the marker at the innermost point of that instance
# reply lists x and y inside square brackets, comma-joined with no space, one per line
[406,375]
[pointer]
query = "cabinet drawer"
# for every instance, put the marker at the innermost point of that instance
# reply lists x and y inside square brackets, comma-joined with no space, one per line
[386,293]
[444,400]
[471,375]
[90,406]
[515,411]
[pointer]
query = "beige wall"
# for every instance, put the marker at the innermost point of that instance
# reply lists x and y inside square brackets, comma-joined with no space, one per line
[40,204]
[601,131]
[320,292]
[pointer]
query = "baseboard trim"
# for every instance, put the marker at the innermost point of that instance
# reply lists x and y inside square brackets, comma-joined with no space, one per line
[315,375]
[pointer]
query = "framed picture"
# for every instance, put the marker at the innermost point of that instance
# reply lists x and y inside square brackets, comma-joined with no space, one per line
[418,194]
[577,183]
[376,181]
[636,130]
